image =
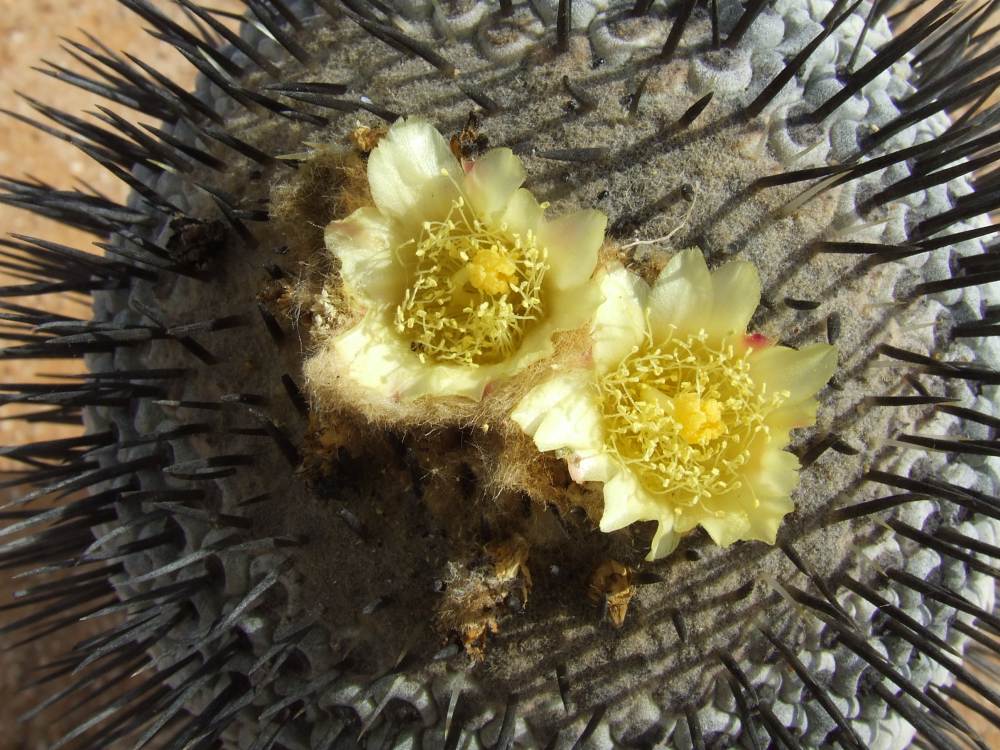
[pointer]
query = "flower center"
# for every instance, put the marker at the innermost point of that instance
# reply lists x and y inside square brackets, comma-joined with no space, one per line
[491,271]
[476,288]
[683,416]
[700,419]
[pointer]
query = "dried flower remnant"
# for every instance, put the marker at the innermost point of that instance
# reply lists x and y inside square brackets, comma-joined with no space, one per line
[456,279]
[510,562]
[684,417]
[365,138]
[477,595]
[611,586]
[469,142]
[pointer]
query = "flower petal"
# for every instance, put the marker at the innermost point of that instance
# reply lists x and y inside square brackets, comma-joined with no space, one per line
[405,173]
[562,412]
[523,213]
[590,467]
[364,243]
[446,380]
[620,321]
[625,502]
[370,355]
[681,295]
[492,182]
[531,410]
[574,423]
[767,517]
[723,516]
[726,529]
[782,421]
[567,312]
[573,242]
[776,474]
[665,540]
[736,292]
[373,356]
[802,373]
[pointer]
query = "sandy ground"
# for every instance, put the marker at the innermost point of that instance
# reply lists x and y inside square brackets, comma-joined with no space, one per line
[28,32]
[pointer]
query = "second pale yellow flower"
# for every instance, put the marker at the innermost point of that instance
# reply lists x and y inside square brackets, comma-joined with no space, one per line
[683,416]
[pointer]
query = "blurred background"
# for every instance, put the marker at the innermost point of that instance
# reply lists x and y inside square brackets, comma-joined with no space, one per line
[29,32]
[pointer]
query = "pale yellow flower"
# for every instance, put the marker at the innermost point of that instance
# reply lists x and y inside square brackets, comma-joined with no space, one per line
[460,280]
[683,416]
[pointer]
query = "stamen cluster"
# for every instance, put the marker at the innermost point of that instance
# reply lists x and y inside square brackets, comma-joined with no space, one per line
[475,289]
[683,417]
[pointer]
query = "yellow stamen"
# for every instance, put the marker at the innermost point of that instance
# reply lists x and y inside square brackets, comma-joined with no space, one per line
[683,416]
[475,290]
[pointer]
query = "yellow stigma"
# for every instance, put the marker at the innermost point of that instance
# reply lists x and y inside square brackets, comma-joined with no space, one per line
[700,419]
[475,289]
[683,416]
[491,271]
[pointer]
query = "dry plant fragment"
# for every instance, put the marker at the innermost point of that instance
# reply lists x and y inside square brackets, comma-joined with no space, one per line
[611,585]
[326,441]
[365,138]
[469,142]
[477,595]
[510,562]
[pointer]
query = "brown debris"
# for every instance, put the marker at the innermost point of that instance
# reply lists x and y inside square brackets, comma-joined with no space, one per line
[329,184]
[478,620]
[510,562]
[194,243]
[476,596]
[278,296]
[328,440]
[365,139]
[611,586]
[469,143]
